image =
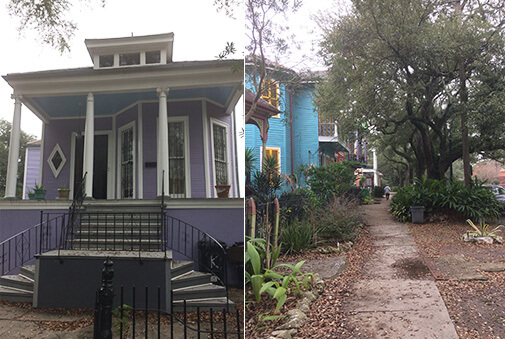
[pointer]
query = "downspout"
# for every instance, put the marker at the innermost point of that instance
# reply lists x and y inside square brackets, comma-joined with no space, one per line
[291,128]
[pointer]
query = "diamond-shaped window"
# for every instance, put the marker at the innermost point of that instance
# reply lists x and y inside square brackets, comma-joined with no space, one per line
[56,160]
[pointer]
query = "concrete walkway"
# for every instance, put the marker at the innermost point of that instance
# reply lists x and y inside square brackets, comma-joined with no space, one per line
[385,304]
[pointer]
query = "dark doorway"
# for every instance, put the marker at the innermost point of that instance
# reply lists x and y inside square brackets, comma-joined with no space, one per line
[100,165]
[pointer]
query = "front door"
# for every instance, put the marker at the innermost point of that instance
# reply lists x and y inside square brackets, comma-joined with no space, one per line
[100,165]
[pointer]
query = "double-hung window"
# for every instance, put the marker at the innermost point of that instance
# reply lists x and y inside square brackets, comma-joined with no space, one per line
[219,134]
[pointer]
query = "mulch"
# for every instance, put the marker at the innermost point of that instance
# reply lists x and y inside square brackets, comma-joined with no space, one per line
[477,308]
[327,319]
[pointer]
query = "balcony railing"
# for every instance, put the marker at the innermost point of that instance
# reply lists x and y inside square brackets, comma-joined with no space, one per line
[327,128]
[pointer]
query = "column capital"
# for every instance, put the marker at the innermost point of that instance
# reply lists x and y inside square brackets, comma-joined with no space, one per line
[162,91]
[90,97]
[16,97]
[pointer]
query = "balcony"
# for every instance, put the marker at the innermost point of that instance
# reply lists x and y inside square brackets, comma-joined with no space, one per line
[328,129]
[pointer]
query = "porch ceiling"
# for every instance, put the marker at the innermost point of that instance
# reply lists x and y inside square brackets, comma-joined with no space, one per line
[51,107]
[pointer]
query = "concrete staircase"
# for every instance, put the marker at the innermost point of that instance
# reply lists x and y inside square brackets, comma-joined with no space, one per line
[19,287]
[194,287]
[124,226]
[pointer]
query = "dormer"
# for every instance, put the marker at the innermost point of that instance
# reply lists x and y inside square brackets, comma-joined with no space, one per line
[131,51]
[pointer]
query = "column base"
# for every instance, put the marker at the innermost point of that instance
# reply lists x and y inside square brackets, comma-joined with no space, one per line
[10,198]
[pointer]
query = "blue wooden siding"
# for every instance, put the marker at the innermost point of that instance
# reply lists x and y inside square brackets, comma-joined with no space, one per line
[305,131]
[305,128]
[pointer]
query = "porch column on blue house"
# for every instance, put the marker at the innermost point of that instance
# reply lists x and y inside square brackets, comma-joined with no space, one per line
[162,142]
[12,165]
[89,138]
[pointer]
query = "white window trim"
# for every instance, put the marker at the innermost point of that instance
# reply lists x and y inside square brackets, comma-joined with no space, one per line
[131,124]
[56,171]
[280,156]
[228,162]
[187,174]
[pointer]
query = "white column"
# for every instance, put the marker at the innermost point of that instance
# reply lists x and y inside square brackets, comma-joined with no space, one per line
[89,141]
[375,175]
[12,165]
[162,142]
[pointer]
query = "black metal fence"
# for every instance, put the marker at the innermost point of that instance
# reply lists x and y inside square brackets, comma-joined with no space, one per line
[136,318]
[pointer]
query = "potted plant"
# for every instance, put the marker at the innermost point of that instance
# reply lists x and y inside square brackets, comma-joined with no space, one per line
[63,192]
[31,195]
[222,190]
[40,192]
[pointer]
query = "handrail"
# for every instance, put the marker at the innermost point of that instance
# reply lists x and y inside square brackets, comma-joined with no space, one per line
[73,210]
[186,233]
[23,246]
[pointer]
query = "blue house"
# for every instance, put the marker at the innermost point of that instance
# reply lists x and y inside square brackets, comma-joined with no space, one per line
[298,137]
[292,134]
[146,146]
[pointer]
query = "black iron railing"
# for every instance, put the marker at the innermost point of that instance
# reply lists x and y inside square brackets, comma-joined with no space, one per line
[118,231]
[73,216]
[196,245]
[22,247]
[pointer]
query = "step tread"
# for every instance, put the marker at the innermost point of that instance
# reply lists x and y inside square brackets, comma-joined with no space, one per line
[191,275]
[200,288]
[14,291]
[17,278]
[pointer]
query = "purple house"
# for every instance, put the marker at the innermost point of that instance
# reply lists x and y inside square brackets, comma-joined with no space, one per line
[133,135]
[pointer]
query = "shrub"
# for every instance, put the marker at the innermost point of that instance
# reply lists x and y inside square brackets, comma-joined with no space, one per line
[473,202]
[378,192]
[296,236]
[332,180]
[339,220]
[295,204]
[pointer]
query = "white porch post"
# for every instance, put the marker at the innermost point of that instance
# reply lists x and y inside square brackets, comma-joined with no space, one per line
[375,175]
[162,142]
[12,165]
[89,138]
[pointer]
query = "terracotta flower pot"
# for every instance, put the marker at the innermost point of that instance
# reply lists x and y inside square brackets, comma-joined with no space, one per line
[222,191]
[63,193]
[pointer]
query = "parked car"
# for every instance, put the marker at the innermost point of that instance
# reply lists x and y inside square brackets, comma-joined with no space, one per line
[499,194]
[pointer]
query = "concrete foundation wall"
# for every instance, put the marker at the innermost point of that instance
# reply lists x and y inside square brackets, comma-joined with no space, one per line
[73,281]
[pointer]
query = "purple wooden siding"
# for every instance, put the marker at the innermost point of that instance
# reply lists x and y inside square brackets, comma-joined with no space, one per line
[149,132]
[191,109]
[32,168]
[60,132]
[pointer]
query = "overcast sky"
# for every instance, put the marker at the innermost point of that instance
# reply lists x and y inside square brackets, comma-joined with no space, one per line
[200,33]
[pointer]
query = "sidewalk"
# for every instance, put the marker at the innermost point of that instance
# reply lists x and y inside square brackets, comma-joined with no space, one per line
[19,322]
[388,305]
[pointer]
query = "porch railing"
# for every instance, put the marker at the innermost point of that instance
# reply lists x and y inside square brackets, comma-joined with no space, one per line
[22,247]
[194,244]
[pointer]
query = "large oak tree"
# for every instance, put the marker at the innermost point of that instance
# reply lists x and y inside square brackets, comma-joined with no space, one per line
[409,70]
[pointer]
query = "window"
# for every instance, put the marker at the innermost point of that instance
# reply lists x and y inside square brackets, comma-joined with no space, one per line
[106,60]
[270,93]
[127,163]
[177,160]
[129,59]
[153,57]
[275,153]
[220,154]
[56,160]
